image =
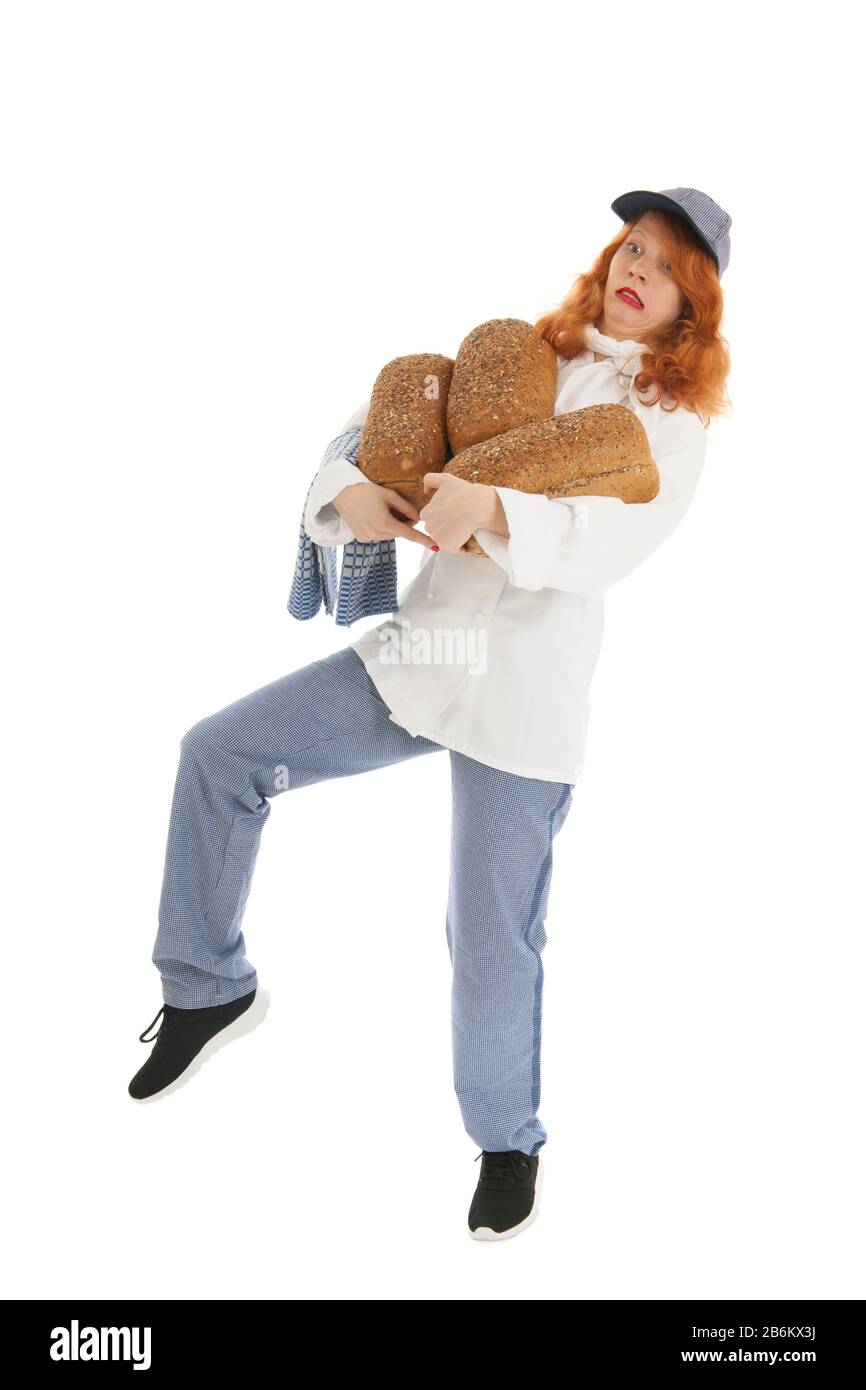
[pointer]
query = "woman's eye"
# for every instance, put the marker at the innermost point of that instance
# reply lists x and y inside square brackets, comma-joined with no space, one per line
[668,265]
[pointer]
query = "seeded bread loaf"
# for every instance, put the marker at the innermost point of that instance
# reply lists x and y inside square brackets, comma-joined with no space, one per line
[504,376]
[600,451]
[405,434]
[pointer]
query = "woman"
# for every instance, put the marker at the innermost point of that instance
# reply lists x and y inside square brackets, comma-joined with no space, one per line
[490,657]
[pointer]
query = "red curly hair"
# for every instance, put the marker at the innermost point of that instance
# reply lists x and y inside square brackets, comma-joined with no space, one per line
[689,362]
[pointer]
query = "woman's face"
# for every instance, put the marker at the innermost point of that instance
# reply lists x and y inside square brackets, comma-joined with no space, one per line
[641,265]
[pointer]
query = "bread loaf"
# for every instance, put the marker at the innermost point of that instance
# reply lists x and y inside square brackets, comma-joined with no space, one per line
[405,434]
[504,376]
[601,451]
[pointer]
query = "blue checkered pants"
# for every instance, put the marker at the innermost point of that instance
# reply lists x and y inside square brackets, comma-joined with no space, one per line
[328,720]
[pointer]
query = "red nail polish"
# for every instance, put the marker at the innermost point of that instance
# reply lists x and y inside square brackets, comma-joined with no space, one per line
[434,547]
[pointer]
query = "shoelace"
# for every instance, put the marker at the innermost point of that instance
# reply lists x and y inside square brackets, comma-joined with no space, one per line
[503,1165]
[143,1037]
[173,1020]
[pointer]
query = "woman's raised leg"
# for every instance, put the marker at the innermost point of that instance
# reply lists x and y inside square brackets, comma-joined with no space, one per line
[325,720]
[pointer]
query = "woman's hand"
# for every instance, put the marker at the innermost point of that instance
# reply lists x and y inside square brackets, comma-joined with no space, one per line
[457,508]
[368,511]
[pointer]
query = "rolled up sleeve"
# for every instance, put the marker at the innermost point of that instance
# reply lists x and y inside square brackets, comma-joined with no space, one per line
[322,521]
[586,544]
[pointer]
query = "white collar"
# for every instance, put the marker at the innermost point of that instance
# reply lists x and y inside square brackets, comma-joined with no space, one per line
[625,354]
[620,364]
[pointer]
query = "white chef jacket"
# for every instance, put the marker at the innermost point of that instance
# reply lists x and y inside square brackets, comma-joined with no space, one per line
[494,657]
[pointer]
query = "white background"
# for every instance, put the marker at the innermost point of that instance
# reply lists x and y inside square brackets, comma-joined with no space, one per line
[220,221]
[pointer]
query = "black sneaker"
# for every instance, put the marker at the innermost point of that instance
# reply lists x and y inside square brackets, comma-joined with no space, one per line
[507,1196]
[186,1034]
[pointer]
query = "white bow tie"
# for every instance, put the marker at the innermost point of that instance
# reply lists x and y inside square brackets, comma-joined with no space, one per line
[620,364]
[624,355]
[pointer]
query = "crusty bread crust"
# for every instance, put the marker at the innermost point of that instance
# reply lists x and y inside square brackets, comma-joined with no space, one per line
[405,435]
[601,451]
[505,376]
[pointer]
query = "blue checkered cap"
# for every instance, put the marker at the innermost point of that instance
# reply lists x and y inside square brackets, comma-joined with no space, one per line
[709,221]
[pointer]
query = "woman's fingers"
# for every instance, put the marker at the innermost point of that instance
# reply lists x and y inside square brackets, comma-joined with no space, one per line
[378,515]
[400,504]
[420,537]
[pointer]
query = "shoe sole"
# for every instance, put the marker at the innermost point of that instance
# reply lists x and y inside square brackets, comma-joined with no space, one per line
[247,1022]
[485,1232]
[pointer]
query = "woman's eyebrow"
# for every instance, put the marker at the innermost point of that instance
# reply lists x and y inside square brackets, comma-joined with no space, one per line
[640,234]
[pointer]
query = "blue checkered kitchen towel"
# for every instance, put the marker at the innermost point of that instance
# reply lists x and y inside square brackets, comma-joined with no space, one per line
[368,578]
